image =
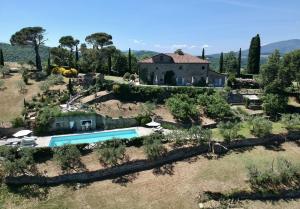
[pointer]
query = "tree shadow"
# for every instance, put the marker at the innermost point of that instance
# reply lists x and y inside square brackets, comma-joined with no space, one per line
[192,159]
[164,170]
[124,180]
[76,186]
[274,147]
[30,191]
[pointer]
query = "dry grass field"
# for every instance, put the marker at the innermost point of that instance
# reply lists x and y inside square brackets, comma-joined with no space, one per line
[11,100]
[175,188]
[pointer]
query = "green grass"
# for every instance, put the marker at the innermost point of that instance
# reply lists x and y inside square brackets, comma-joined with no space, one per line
[278,128]
[115,79]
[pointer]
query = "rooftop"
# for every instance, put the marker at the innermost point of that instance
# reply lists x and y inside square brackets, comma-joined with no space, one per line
[177,58]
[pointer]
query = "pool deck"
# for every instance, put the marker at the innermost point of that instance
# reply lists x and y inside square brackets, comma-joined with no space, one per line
[45,141]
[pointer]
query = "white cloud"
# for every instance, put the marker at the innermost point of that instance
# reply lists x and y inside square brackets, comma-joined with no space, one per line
[206,46]
[140,42]
[179,46]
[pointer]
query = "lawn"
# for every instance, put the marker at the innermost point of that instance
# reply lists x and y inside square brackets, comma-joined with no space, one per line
[177,188]
[115,79]
[11,100]
[245,131]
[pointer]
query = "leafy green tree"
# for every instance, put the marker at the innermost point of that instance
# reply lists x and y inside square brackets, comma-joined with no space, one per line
[229,130]
[221,63]
[153,148]
[291,67]
[254,55]
[120,63]
[215,106]
[269,71]
[230,63]
[273,104]
[260,126]
[60,56]
[67,157]
[30,36]
[200,135]
[203,54]
[182,107]
[18,162]
[68,42]
[179,52]
[92,60]
[99,40]
[4,70]
[291,121]
[1,57]
[111,152]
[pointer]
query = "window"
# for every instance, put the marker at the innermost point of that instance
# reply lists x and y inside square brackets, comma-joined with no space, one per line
[203,67]
[161,58]
[58,125]
[156,68]
[180,67]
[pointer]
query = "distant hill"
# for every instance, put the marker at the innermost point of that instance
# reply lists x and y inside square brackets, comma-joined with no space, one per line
[283,46]
[22,54]
[140,54]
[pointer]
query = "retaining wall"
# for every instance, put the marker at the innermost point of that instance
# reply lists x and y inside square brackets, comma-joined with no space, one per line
[142,165]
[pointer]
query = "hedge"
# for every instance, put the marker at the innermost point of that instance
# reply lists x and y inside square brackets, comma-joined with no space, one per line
[128,92]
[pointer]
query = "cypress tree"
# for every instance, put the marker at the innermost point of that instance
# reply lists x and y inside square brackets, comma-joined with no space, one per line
[1,57]
[203,54]
[238,73]
[49,64]
[129,60]
[109,64]
[221,65]
[70,87]
[254,55]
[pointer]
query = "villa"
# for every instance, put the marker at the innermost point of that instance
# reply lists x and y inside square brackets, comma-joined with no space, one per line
[179,69]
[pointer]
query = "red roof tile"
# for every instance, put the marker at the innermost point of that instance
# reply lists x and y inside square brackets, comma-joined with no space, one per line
[186,58]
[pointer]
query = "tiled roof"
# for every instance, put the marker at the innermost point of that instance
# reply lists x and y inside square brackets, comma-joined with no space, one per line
[186,58]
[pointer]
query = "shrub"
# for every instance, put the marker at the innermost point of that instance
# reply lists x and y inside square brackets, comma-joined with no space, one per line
[111,152]
[126,76]
[274,104]
[182,107]
[260,126]
[1,83]
[65,72]
[18,122]
[180,137]
[153,148]
[143,119]
[132,77]
[282,175]
[21,86]
[199,135]
[291,121]
[18,161]
[215,106]
[67,157]
[229,130]
[116,89]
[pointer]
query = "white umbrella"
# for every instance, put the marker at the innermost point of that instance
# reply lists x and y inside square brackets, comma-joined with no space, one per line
[22,133]
[153,124]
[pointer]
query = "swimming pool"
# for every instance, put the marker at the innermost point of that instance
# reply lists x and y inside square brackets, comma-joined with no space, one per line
[57,141]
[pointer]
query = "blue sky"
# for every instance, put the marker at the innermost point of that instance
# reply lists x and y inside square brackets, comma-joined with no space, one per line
[159,25]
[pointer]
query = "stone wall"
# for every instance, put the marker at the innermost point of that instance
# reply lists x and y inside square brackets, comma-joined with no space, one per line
[142,165]
[108,123]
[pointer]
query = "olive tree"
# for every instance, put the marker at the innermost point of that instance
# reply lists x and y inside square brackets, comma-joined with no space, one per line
[111,152]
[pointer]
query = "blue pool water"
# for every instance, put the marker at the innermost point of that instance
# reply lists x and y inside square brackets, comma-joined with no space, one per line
[57,141]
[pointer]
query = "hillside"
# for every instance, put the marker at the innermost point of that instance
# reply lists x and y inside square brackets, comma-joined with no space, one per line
[283,46]
[22,54]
